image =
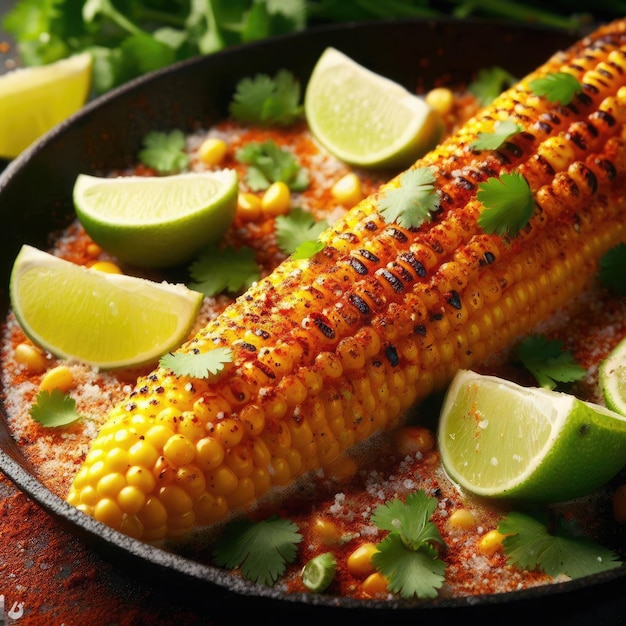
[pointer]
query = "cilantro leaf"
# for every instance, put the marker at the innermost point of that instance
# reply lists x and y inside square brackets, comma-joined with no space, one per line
[503,130]
[548,362]
[216,270]
[407,557]
[612,267]
[269,163]
[509,204]
[164,152]
[490,83]
[261,549]
[558,87]
[52,409]
[296,228]
[530,546]
[307,249]
[197,364]
[266,101]
[411,203]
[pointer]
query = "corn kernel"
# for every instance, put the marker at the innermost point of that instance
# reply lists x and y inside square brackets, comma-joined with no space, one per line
[178,450]
[347,190]
[462,519]
[143,453]
[212,151]
[141,478]
[192,480]
[108,512]
[59,377]
[111,484]
[93,250]
[276,199]
[130,499]
[153,514]
[491,542]
[248,207]
[374,585]
[360,561]
[229,432]
[31,357]
[441,99]
[326,531]
[221,481]
[619,504]
[132,527]
[175,500]
[108,267]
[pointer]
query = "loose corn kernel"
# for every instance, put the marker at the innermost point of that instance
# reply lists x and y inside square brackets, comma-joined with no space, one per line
[491,542]
[108,267]
[374,585]
[462,519]
[326,531]
[59,377]
[619,504]
[348,190]
[93,250]
[249,207]
[360,561]
[31,357]
[276,200]
[441,99]
[212,151]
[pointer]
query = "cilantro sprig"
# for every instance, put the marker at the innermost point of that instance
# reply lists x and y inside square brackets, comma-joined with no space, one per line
[412,202]
[269,163]
[267,101]
[509,204]
[559,87]
[548,361]
[529,545]
[408,556]
[54,408]
[261,549]
[197,364]
[297,231]
[164,152]
[503,130]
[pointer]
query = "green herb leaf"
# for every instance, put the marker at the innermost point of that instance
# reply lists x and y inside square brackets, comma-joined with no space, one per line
[509,204]
[503,130]
[558,87]
[216,270]
[307,249]
[530,546]
[548,362]
[490,83]
[197,364]
[165,152]
[411,203]
[260,549]
[612,268]
[297,228]
[407,557]
[266,101]
[269,163]
[53,409]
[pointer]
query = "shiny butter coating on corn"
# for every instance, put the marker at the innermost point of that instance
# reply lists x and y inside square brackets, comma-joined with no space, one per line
[329,350]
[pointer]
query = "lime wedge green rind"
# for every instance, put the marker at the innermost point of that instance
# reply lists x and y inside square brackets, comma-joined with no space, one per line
[500,440]
[612,378]
[107,320]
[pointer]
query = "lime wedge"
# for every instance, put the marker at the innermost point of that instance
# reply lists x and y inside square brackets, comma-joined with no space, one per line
[498,439]
[106,320]
[612,378]
[34,99]
[319,572]
[366,119]
[156,221]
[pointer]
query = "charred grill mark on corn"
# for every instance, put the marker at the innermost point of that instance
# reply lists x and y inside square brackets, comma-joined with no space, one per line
[331,349]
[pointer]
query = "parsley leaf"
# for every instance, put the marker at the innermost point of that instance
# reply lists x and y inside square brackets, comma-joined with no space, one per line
[296,228]
[558,87]
[548,362]
[164,152]
[502,131]
[407,557]
[269,163]
[509,204]
[52,409]
[490,83]
[197,364]
[530,546]
[612,267]
[261,549]
[411,203]
[266,101]
[216,270]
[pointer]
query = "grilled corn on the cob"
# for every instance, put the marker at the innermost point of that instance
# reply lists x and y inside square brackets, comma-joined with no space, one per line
[328,350]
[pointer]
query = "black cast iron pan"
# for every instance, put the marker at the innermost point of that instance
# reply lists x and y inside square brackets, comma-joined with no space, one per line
[35,200]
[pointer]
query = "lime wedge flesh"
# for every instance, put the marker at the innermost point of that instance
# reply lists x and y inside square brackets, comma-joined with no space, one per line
[35,99]
[498,439]
[156,221]
[364,118]
[612,378]
[107,320]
